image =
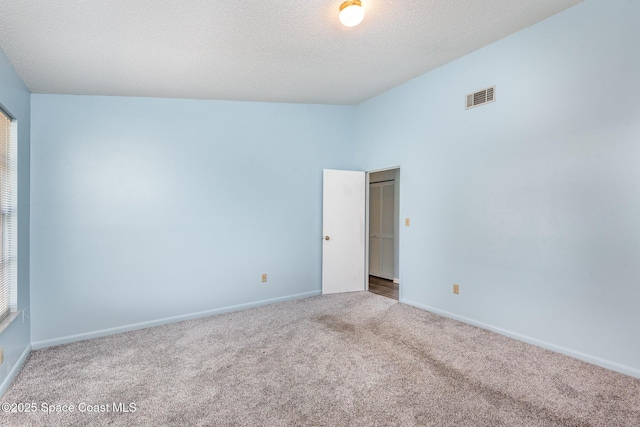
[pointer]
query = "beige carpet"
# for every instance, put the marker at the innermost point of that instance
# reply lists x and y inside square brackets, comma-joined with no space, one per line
[353,359]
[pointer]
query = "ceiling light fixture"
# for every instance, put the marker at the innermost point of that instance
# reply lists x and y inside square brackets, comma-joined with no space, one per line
[351,13]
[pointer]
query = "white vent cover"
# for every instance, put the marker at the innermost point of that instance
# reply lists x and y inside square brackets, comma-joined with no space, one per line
[481,97]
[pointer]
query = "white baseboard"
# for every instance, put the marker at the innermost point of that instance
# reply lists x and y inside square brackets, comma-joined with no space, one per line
[627,370]
[142,325]
[14,371]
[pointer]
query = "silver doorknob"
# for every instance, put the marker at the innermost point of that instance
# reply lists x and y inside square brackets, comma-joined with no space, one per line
[327,238]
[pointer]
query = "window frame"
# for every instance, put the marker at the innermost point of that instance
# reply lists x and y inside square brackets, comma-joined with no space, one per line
[8,218]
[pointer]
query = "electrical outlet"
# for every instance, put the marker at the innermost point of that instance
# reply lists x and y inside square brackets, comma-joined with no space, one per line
[407,222]
[456,288]
[264,278]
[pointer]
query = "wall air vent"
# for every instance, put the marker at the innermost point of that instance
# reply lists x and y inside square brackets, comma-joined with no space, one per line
[481,97]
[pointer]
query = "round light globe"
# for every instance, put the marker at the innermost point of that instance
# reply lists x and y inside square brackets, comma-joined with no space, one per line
[351,13]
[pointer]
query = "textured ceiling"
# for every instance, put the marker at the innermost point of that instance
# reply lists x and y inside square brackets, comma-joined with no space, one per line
[275,50]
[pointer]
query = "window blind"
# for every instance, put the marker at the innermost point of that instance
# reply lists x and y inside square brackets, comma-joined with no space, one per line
[8,220]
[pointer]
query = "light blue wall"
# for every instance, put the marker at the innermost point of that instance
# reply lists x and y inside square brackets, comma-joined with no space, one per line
[15,340]
[146,209]
[532,203]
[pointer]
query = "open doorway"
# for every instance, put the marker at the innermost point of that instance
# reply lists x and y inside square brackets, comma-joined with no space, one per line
[383,232]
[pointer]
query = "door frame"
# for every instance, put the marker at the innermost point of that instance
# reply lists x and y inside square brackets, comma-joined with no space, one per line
[366,225]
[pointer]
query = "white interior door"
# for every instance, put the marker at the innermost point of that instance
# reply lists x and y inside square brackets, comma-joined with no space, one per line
[343,227]
[382,229]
